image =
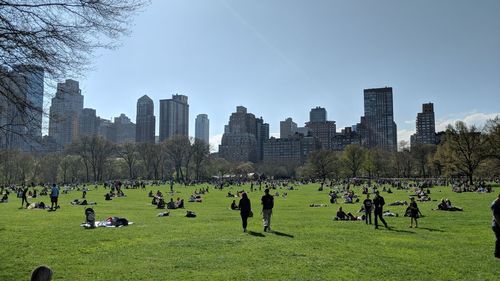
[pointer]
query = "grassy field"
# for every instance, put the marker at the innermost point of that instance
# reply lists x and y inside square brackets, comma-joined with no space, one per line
[306,243]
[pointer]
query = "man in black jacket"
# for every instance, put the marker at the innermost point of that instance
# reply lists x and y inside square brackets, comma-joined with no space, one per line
[495,208]
[267,209]
[379,203]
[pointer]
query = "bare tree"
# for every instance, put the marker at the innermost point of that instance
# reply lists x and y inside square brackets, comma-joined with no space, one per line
[177,149]
[353,158]
[467,149]
[128,152]
[201,151]
[56,38]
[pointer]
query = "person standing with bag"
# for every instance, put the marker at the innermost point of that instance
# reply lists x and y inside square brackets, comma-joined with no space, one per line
[267,209]
[245,208]
[495,208]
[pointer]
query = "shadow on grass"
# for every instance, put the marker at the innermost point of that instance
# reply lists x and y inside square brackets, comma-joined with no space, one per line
[256,234]
[400,230]
[432,229]
[282,234]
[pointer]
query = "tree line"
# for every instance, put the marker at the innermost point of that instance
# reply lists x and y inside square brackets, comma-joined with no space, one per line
[465,151]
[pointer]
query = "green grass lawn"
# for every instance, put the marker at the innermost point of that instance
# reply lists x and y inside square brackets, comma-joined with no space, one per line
[306,243]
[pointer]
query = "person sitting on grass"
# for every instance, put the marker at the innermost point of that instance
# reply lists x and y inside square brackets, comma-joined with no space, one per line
[234,206]
[150,194]
[107,197]
[179,203]
[341,215]
[171,204]
[445,205]
[160,204]
[5,198]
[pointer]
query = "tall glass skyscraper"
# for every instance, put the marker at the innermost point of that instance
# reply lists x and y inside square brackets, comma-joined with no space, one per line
[145,120]
[380,128]
[174,117]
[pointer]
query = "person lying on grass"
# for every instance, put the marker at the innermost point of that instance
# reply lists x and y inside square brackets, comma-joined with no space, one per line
[82,203]
[5,198]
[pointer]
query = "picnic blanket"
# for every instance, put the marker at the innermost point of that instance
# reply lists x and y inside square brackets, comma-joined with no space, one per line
[103,224]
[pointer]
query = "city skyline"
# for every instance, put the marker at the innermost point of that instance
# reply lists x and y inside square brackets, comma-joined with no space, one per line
[254,56]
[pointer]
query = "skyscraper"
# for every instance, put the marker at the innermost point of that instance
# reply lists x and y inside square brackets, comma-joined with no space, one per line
[123,129]
[317,114]
[145,120]
[21,123]
[425,125]
[89,123]
[174,117]
[287,128]
[320,128]
[244,137]
[202,125]
[65,112]
[379,119]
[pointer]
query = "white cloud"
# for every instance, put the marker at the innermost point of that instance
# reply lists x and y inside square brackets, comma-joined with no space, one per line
[405,135]
[478,119]
[276,135]
[214,142]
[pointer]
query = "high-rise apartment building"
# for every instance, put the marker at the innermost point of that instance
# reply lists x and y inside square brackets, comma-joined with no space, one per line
[65,112]
[380,128]
[287,128]
[317,114]
[244,137]
[174,117]
[124,130]
[425,125]
[89,124]
[21,122]
[320,128]
[145,120]
[202,125]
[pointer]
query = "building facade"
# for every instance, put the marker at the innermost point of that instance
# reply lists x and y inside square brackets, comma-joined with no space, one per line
[287,128]
[174,117]
[89,124]
[378,122]
[65,112]
[425,126]
[21,122]
[123,130]
[346,137]
[202,126]
[292,151]
[317,114]
[145,120]
[244,137]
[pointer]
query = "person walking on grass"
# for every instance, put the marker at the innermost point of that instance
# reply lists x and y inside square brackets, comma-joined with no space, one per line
[267,202]
[245,209]
[414,212]
[367,204]
[379,203]
[54,195]
[495,208]
[24,197]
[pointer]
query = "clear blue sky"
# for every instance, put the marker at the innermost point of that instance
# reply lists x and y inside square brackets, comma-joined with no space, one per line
[280,58]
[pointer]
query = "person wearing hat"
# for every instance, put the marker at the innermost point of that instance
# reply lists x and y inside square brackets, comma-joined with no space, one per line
[378,203]
[495,208]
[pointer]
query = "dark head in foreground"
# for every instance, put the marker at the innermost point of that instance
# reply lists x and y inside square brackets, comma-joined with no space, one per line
[41,273]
